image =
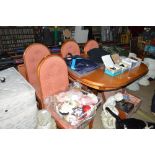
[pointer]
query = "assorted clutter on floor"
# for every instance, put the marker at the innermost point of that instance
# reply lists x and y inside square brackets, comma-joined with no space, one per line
[111,118]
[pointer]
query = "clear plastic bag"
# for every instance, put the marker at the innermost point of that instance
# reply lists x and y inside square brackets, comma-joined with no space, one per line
[45,121]
[74,106]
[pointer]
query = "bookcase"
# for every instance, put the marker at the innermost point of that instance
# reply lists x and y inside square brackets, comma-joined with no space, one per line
[13,41]
[15,38]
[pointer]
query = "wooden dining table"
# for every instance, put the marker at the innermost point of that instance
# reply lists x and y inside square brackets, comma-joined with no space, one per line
[108,85]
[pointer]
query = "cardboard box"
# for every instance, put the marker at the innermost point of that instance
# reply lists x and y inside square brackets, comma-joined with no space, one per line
[132,62]
[136,101]
[111,68]
[124,66]
[113,71]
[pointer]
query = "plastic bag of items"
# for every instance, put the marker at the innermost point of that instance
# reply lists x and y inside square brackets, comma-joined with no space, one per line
[74,106]
[45,121]
[151,66]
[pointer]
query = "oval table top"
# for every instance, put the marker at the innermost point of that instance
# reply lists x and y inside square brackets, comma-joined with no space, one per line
[101,81]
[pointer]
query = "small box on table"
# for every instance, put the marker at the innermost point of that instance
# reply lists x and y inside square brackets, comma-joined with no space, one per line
[111,68]
[132,62]
[113,71]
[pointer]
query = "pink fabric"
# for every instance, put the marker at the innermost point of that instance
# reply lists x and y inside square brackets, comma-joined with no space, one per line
[32,57]
[70,47]
[90,45]
[53,76]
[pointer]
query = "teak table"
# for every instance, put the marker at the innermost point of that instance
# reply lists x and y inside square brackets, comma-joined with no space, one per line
[107,84]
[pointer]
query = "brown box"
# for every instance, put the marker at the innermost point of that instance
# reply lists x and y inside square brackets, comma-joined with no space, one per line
[136,101]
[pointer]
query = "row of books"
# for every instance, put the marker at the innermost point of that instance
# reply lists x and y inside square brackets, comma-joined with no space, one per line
[14,31]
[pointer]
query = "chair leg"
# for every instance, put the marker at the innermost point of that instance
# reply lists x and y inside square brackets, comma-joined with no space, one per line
[91,124]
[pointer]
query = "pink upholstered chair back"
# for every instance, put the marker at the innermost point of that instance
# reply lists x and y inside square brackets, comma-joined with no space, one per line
[70,47]
[90,45]
[32,57]
[53,76]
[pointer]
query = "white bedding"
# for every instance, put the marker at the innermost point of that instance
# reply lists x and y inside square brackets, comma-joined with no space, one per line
[18,106]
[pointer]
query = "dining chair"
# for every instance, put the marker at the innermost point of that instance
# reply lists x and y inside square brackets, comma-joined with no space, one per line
[22,70]
[90,45]
[33,54]
[53,78]
[70,46]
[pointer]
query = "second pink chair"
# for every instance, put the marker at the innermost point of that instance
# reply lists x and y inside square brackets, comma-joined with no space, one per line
[70,47]
[90,45]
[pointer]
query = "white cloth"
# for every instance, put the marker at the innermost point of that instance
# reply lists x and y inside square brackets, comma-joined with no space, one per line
[108,121]
[18,106]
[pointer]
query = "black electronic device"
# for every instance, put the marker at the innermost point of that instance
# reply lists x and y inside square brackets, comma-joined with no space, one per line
[124,106]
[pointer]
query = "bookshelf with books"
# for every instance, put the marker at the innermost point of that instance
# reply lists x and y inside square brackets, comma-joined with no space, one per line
[13,41]
[13,38]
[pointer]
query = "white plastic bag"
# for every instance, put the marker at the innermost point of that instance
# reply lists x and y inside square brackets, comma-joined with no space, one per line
[45,121]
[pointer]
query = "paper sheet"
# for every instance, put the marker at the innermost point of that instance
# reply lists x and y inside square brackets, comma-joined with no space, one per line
[107,61]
